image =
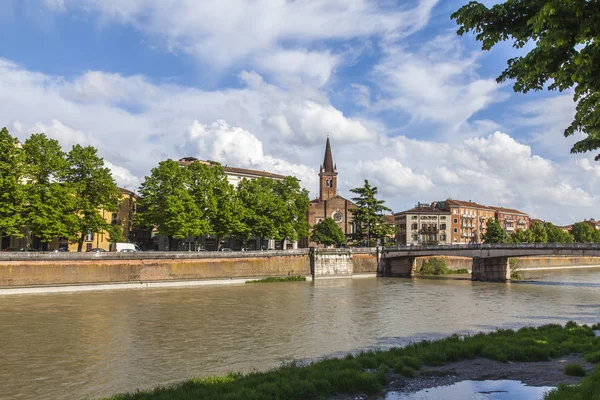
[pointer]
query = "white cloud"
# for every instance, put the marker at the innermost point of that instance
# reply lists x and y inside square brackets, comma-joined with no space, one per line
[435,83]
[227,30]
[123,176]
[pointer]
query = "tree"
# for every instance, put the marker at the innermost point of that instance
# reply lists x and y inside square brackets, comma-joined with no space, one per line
[93,190]
[11,188]
[260,208]
[168,205]
[368,215]
[582,232]
[539,233]
[564,36]
[293,202]
[494,232]
[557,235]
[49,202]
[518,236]
[327,232]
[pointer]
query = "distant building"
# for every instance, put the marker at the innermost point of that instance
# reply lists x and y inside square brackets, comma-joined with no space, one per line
[235,175]
[593,223]
[329,203]
[511,220]
[424,225]
[468,219]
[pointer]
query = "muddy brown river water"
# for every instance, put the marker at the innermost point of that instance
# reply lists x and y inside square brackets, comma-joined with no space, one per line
[94,344]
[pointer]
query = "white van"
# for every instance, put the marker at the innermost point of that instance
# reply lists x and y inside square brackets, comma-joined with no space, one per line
[125,247]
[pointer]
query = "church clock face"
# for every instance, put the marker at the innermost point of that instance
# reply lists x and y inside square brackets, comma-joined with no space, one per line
[337,216]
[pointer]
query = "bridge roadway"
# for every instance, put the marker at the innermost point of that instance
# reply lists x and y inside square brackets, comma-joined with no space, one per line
[490,261]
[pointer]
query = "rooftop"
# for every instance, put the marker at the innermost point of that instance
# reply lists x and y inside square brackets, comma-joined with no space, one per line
[232,170]
[460,203]
[424,210]
[509,211]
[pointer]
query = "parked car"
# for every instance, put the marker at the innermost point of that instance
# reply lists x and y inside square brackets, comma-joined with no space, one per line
[127,251]
[96,250]
[12,249]
[125,246]
[226,249]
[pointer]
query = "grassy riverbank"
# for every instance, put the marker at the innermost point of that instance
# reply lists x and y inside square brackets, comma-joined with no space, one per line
[369,372]
[438,266]
[274,279]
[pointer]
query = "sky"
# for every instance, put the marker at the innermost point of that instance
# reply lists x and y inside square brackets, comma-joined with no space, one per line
[259,84]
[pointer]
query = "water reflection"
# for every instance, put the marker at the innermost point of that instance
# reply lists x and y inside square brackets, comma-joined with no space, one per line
[91,344]
[475,390]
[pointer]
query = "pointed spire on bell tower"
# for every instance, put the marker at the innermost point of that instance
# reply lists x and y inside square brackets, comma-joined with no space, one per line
[328,160]
[328,175]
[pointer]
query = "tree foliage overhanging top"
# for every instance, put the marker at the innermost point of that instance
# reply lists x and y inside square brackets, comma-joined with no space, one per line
[566,35]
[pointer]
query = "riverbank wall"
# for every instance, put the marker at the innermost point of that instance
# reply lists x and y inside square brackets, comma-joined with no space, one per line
[18,270]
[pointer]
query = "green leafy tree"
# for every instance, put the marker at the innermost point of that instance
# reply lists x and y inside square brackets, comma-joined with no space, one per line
[518,236]
[115,234]
[327,232]
[539,233]
[293,202]
[168,205]
[494,232]
[49,201]
[596,236]
[260,208]
[557,235]
[93,190]
[11,186]
[582,232]
[563,36]
[368,215]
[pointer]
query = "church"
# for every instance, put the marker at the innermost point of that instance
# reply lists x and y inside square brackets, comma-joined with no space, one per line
[329,203]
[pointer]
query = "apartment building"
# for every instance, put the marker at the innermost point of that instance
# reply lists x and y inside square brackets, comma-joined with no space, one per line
[234,174]
[468,220]
[423,224]
[511,220]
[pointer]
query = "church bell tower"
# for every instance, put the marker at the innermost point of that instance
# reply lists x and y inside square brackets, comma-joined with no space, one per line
[327,175]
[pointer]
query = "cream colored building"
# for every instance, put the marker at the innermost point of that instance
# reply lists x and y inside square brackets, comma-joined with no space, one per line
[423,225]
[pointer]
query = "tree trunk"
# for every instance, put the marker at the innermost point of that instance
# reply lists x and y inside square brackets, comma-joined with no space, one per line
[171,242]
[80,242]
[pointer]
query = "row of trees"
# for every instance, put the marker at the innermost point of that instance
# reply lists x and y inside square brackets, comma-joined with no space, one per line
[369,221]
[197,200]
[50,193]
[541,233]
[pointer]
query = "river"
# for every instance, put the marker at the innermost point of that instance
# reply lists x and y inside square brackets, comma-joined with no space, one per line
[93,344]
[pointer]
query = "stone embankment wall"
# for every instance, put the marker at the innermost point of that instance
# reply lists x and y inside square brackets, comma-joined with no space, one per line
[533,263]
[343,262]
[56,269]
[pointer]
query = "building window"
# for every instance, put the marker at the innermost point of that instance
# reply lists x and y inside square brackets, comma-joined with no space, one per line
[113,220]
[89,237]
[328,183]
[443,238]
[442,217]
[414,217]
[415,226]
[456,220]
[455,230]
[443,227]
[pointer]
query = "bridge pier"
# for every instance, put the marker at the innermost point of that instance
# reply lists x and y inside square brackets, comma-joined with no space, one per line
[400,266]
[491,269]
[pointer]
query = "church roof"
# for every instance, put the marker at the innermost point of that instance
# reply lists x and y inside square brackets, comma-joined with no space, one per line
[328,159]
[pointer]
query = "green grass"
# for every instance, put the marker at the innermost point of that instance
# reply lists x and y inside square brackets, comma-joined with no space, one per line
[273,279]
[459,271]
[434,266]
[369,372]
[574,370]
[587,389]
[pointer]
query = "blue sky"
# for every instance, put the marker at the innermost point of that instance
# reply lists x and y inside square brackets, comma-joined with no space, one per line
[259,84]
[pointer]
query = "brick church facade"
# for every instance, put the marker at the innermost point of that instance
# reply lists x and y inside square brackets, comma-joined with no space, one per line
[329,203]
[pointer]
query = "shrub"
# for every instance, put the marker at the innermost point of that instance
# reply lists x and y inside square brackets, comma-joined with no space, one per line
[434,266]
[574,370]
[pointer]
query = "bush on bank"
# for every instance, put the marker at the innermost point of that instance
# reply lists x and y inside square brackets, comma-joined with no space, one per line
[274,279]
[369,372]
[438,266]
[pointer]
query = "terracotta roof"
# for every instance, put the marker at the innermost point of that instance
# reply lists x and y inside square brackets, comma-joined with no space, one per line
[391,219]
[509,211]
[460,203]
[424,210]
[317,200]
[129,192]
[232,170]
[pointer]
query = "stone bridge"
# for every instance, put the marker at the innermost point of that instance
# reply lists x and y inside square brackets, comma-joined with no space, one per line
[490,261]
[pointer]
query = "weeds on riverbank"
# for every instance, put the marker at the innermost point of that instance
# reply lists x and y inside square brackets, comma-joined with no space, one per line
[368,372]
[574,370]
[293,278]
[438,266]
[587,389]
[515,270]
